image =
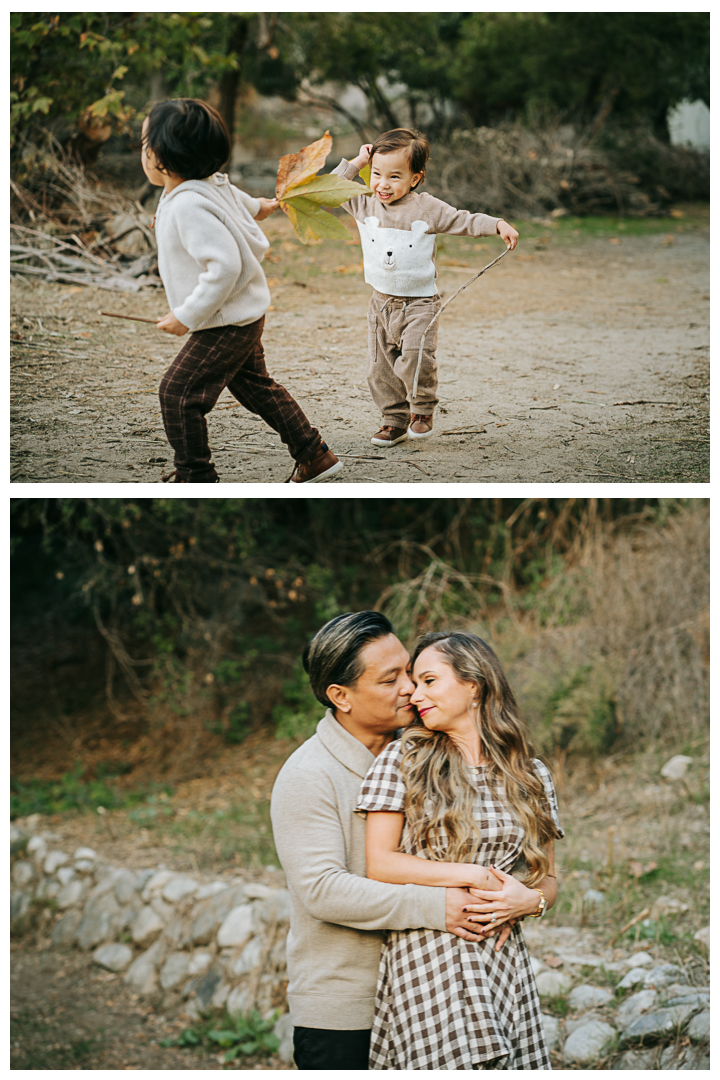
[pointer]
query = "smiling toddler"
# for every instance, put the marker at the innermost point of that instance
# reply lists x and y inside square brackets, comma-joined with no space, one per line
[397,227]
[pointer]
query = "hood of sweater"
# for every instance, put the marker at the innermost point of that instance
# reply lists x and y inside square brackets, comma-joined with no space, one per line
[218,190]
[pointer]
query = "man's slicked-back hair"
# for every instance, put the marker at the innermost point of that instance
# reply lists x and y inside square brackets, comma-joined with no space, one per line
[188,137]
[333,655]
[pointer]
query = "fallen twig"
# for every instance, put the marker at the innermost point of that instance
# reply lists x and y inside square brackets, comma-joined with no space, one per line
[131,318]
[464,431]
[642,401]
[643,915]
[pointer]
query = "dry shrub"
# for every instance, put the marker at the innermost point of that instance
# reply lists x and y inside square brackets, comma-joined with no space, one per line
[634,661]
[529,172]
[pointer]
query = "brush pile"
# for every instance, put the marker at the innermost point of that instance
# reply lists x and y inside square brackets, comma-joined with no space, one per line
[66,227]
[556,170]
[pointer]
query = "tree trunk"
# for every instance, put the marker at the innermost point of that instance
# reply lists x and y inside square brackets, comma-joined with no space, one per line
[230,81]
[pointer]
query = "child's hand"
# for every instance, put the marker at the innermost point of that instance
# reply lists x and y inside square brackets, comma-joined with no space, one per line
[170,325]
[363,156]
[267,207]
[509,235]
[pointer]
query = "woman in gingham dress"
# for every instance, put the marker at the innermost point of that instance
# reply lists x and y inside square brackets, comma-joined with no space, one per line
[457,801]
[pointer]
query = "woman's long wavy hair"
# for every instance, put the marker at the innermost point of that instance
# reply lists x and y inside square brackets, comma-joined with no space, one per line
[440,797]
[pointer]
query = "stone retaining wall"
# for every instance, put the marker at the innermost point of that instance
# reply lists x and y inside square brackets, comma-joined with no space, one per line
[204,944]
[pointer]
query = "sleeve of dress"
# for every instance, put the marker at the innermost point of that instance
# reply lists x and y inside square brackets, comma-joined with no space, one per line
[383,787]
[544,774]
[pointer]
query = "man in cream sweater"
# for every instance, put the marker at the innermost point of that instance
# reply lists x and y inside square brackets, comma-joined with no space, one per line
[358,670]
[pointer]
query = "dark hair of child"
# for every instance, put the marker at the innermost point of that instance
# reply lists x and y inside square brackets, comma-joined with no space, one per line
[405,139]
[187,137]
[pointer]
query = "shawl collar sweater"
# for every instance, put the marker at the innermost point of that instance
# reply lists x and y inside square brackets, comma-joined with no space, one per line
[209,254]
[398,239]
[337,915]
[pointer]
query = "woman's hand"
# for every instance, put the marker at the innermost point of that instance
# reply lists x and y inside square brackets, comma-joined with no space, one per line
[512,901]
[363,156]
[267,207]
[170,325]
[509,235]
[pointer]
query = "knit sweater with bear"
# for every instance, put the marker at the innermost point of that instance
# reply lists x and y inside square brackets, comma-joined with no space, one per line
[209,254]
[398,239]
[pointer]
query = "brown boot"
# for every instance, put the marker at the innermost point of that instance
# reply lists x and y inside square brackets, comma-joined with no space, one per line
[420,426]
[389,436]
[322,465]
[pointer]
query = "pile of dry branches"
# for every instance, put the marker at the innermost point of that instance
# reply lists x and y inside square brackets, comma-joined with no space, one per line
[534,172]
[66,227]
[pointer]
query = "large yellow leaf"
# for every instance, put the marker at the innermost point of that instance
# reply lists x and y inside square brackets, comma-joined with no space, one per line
[328,190]
[294,168]
[312,223]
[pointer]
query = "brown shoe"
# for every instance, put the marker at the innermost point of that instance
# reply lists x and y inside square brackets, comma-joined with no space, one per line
[389,436]
[322,465]
[420,426]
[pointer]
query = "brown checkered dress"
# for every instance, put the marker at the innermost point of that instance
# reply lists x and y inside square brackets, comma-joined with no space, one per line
[446,1003]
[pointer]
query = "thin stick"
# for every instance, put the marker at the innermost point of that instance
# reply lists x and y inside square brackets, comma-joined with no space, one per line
[132,318]
[643,914]
[422,339]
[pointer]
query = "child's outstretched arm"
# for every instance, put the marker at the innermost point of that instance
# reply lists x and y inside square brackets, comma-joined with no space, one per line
[384,862]
[363,156]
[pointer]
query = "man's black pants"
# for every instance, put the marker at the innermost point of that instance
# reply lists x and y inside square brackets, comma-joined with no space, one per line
[317,1048]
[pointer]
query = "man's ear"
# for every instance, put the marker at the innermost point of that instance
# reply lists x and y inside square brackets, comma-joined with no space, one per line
[339,698]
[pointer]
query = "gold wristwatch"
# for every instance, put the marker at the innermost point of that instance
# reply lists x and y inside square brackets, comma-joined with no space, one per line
[542,906]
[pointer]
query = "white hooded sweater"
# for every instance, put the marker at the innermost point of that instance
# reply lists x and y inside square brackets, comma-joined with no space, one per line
[398,239]
[209,254]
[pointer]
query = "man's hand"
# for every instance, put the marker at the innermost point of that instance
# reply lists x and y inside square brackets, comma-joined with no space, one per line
[363,156]
[170,325]
[267,207]
[509,235]
[456,920]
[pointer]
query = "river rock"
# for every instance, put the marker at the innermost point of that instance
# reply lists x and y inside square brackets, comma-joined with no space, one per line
[174,970]
[36,849]
[634,1006]
[586,997]
[65,875]
[254,890]
[179,888]
[102,919]
[638,960]
[16,835]
[114,957]
[593,897]
[53,860]
[204,987]
[676,767]
[237,927]
[551,1028]
[146,927]
[633,977]
[19,904]
[86,853]
[703,936]
[238,1001]
[667,905]
[70,894]
[209,915]
[163,909]
[276,908]
[283,1032]
[210,890]
[699,999]
[657,1023]
[142,973]
[640,1060]
[23,873]
[63,932]
[587,1042]
[156,884]
[699,1027]
[552,983]
[84,866]
[249,957]
[124,885]
[664,974]
[200,961]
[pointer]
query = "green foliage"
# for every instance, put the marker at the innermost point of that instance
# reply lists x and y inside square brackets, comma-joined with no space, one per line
[297,716]
[558,1005]
[73,792]
[188,1037]
[247,1035]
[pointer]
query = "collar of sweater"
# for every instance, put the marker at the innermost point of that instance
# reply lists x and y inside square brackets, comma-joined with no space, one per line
[348,750]
[208,186]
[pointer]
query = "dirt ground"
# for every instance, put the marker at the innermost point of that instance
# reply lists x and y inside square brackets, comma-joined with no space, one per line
[579,358]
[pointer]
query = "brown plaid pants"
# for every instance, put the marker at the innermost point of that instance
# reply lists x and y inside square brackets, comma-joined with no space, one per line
[210,360]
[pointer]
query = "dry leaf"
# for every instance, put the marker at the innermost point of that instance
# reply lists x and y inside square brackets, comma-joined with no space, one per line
[302,193]
[553,961]
[294,168]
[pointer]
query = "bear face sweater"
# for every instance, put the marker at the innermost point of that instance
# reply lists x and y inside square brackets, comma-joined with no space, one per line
[209,254]
[398,239]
